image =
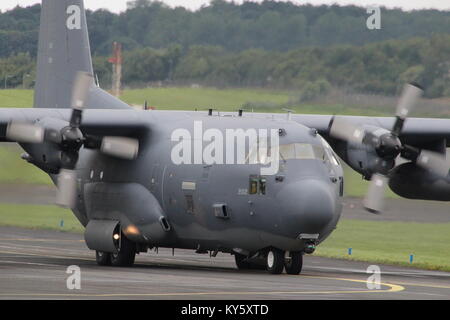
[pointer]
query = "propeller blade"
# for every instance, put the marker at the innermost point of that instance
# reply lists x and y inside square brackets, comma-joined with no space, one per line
[434,162]
[83,82]
[410,96]
[120,147]
[374,201]
[67,189]
[346,131]
[25,133]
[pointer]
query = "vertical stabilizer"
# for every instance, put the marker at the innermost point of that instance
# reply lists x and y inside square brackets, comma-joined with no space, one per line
[63,51]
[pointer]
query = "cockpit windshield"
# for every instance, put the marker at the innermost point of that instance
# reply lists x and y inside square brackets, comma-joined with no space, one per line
[300,151]
[295,151]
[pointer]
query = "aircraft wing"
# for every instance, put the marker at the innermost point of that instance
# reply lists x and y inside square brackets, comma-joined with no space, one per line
[126,122]
[416,131]
[95,122]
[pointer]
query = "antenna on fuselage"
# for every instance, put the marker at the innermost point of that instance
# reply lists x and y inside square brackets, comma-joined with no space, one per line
[290,112]
[210,112]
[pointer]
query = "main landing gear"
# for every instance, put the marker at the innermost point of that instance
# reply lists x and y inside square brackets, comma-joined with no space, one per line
[123,258]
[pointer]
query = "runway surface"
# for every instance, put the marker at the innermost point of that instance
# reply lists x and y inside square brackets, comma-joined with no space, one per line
[33,265]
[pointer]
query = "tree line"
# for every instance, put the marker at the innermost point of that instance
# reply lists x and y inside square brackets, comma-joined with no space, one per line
[269,25]
[379,68]
[313,69]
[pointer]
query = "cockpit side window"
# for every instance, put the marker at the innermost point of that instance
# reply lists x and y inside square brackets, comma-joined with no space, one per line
[330,152]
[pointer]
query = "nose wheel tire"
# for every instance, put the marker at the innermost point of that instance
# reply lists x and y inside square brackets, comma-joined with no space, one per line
[275,261]
[293,263]
[103,258]
[126,255]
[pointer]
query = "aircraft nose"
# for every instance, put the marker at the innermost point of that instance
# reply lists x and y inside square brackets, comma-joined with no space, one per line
[310,203]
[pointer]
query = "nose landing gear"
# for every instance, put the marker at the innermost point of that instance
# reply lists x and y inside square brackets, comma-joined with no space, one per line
[277,260]
[293,263]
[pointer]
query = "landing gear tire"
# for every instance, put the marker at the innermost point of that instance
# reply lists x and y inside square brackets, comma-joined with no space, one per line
[103,258]
[275,261]
[294,263]
[126,255]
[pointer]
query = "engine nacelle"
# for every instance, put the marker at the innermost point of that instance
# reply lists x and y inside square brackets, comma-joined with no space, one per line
[103,235]
[47,156]
[365,158]
[141,217]
[412,182]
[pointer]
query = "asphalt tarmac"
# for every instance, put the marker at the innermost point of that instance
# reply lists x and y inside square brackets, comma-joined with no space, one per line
[33,265]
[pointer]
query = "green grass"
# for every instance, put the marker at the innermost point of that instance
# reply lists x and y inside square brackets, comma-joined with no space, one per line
[17,171]
[391,243]
[16,98]
[202,98]
[38,217]
[355,186]
[260,100]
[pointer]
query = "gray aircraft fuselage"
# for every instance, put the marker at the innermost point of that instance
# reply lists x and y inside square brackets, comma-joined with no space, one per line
[301,202]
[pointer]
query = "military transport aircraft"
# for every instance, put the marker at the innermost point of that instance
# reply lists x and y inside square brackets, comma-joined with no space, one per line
[115,168]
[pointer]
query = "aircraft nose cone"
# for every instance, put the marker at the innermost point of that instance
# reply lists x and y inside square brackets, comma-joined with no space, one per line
[310,203]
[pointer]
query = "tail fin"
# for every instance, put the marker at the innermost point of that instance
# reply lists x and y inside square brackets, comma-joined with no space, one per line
[63,51]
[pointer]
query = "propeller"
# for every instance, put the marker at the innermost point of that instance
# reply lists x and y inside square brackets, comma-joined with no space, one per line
[70,140]
[388,147]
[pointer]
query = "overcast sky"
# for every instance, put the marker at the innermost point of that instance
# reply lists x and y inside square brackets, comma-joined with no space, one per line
[120,5]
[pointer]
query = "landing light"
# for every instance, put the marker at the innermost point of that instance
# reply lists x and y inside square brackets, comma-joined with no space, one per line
[116,236]
[131,230]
